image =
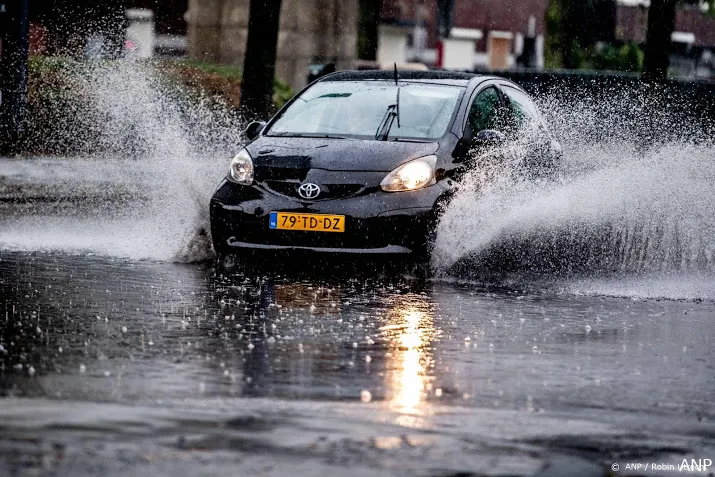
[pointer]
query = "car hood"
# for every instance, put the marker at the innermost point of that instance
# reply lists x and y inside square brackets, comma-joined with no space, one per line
[335,154]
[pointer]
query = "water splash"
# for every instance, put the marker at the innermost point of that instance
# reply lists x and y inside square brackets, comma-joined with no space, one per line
[620,214]
[163,155]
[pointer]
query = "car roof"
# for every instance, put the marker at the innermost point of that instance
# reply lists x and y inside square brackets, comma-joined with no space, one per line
[455,78]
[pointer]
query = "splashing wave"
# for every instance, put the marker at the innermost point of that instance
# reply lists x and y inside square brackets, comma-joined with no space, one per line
[147,197]
[617,211]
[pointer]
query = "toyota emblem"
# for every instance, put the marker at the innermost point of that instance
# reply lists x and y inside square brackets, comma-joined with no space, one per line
[309,190]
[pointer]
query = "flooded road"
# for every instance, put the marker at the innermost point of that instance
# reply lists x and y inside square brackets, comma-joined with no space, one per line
[122,367]
[567,332]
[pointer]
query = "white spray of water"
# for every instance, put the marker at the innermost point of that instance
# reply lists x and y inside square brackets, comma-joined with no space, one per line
[172,151]
[616,211]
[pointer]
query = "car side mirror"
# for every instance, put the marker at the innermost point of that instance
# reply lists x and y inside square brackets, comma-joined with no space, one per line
[488,138]
[254,129]
[472,146]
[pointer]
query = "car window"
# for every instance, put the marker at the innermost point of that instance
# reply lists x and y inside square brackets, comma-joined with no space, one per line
[358,109]
[522,108]
[486,111]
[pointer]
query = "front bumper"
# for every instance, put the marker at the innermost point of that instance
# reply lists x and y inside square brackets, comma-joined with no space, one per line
[377,222]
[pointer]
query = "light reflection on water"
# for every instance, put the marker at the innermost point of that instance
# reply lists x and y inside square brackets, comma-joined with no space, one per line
[409,334]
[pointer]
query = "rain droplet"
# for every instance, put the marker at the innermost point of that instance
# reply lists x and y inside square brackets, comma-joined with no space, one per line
[124,329]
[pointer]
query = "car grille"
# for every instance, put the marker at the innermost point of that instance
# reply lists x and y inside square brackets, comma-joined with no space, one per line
[327,191]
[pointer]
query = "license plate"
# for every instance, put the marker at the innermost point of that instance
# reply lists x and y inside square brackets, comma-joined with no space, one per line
[309,222]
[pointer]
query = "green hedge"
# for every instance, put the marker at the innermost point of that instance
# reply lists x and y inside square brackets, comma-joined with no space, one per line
[62,121]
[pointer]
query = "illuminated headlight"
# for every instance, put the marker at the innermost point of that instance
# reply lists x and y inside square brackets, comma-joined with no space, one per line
[241,168]
[412,175]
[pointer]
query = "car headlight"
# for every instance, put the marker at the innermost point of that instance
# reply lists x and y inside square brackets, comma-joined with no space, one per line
[412,175]
[241,168]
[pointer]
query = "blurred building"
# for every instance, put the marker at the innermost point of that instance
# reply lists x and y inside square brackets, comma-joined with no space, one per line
[505,34]
[494,34]
[693,51]
[482,34]
[311,31]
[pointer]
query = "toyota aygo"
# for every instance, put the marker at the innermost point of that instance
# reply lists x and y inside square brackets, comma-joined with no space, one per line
[362,162]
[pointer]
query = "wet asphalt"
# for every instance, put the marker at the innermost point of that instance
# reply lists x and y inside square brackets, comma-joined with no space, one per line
[125,367]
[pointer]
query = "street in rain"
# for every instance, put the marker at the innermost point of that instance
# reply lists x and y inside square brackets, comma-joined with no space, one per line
[375,237]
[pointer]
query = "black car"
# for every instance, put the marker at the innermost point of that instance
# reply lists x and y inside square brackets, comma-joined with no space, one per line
[362,162]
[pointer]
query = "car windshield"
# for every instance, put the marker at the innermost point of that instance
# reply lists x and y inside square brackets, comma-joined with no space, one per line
[359,109]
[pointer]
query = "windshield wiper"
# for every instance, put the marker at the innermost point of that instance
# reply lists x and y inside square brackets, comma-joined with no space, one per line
[408,139]
[310,135]
[384,130]
[392,114]
[397,101]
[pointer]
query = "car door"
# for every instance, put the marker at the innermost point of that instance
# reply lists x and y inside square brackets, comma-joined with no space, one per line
[486,112]
[486,119]
[541,151]
[522,111]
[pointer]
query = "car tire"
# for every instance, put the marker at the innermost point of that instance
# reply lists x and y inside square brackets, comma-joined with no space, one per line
[220,245]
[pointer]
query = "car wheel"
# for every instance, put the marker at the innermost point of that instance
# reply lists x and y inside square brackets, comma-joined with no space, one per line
[221,247]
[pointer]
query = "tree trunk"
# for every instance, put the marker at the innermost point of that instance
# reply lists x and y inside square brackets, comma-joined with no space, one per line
[661,23]
[445,17]
[368,22]
[259,65]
